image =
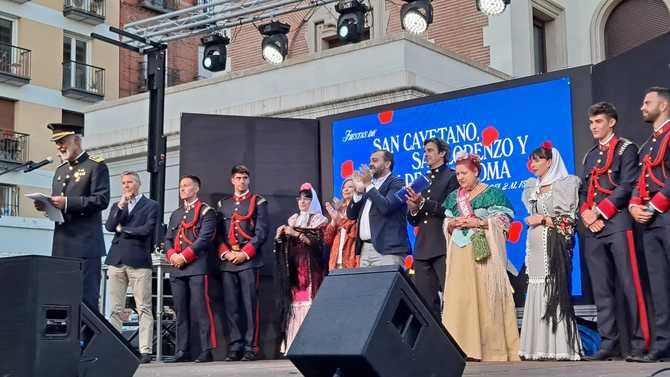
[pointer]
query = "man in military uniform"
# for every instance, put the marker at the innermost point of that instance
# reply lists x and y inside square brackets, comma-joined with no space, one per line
[189,238]
[425,212]
[649,206]
[243,229]
[80,190]
[609,248]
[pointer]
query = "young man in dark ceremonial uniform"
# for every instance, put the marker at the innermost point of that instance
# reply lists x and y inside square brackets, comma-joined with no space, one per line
[610,170]
[189,238]
[243,228]
[426,213]
[80,190]
[649,206]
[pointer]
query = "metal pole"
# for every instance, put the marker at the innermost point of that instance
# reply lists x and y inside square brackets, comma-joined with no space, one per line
[159,311]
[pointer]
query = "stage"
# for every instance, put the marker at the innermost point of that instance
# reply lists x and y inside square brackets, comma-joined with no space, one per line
[277,368]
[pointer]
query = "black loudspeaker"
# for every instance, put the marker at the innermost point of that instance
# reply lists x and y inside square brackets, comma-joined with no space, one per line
[39,319]
[370,322]
[105,352]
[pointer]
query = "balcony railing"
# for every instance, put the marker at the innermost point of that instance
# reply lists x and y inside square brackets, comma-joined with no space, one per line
[87,11]
[13,146]
[162,6]
[83,81]
[14,65]
[9,200]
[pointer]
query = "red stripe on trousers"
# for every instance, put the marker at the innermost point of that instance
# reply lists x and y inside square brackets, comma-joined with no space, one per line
[257,334]
[642,309]
[212,328]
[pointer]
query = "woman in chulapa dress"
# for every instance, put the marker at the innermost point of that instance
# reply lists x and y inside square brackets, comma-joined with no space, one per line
[479,310]
[549,329]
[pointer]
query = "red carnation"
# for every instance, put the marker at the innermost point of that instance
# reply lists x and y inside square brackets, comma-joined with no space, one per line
[547,145]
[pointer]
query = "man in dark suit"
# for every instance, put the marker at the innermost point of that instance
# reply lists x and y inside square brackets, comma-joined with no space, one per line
[650,206]
[607,229]
[133,220]
[426,213]
[80,190]
[189,240]
[243,229]
[382,231]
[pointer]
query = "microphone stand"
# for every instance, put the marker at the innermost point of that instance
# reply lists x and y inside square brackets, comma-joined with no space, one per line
[19,167]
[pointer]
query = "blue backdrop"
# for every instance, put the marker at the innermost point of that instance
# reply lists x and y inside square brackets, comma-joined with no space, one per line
[502,126]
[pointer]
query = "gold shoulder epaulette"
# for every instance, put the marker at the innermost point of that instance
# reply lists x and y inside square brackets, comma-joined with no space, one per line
[97,159]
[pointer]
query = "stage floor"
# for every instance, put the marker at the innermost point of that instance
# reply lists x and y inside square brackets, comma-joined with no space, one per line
[278,368]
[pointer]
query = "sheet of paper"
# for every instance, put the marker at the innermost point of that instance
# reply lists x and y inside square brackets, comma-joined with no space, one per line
[53,213]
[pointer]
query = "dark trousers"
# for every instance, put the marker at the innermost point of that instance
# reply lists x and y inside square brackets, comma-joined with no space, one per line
[657,253]
[240,300]
[91,274]
[608,260]
[429,278]
[191,301]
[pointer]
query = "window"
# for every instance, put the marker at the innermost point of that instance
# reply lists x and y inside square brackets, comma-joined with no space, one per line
[6,31]
[6,114]
[634,22]
[75,58]
[539,45]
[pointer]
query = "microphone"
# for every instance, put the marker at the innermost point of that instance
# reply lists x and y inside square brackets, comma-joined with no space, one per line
[36,165]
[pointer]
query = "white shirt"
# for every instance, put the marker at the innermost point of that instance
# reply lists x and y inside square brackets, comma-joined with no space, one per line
[364,232]
[132,202]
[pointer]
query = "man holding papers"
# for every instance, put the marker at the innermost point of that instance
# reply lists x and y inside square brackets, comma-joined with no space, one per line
[80,190]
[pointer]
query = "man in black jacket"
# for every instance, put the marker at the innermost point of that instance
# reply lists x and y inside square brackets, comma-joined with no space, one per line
[80,190]
[607,229]
[382,230]
[243,229]
[189,238]
[426,214]
[133,220]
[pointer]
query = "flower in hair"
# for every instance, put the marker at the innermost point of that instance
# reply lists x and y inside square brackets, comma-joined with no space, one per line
[547,145]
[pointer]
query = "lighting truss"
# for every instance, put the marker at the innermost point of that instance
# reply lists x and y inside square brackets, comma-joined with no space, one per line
[213,16]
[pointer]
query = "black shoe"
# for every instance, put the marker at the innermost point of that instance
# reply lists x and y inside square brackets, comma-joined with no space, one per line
[249,356]
[145,359]
[652,357]
[204,357]
[635,357]
[180,357]
[603,355]
[233,356]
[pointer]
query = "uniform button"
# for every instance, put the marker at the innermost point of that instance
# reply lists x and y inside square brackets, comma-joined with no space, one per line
[601,153]
[237,203]
[62,193]
[639,164]
[425,221]
[651,149]
[59,177]
[646,175]
[67,176]
[426,213]
[599,161]
[428,190]
[63,184]
[70,167]
[184,216]
[653,140]
[609,171]
[235,209]
[432,176]
[427,197]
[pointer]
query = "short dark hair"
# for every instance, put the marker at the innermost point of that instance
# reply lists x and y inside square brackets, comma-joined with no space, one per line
[388,156]
[541,153]
[194,178]
[661,91]
[239,169]
[604,108]
[442,146]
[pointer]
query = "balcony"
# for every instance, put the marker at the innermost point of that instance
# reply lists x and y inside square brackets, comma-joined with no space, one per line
[91,12]
[83,82]
[13,147]
[161,6]
[14,65]
[9,200]
[19,1]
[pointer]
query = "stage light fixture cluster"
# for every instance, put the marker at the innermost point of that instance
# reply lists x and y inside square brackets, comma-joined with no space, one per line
[492,7]
[215,53]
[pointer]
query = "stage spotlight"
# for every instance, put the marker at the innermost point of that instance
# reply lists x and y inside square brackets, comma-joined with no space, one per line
[275,41]
[214,55]
[416,15]
[351,23]
[492,7]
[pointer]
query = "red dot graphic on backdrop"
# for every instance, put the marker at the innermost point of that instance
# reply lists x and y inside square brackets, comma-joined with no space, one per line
[347,168]
[515,232]
[489,135]
[385,117]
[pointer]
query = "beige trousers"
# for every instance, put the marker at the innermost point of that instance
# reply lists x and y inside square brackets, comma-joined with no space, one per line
[139,280]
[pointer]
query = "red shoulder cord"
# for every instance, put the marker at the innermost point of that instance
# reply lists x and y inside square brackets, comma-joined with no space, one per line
[647,168]
[594,182]
[235,221]
[184,226]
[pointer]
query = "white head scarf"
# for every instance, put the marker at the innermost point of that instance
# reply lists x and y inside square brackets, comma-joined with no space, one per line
[303,218]
[556,171]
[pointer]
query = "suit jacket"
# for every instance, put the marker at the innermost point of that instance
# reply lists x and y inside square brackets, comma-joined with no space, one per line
[256,226]
[132,245]
[653,183]
[430,241]
[85,184]
[608,179]
[196,241]
[387,218]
